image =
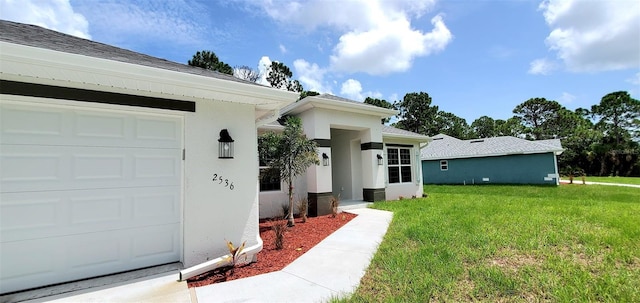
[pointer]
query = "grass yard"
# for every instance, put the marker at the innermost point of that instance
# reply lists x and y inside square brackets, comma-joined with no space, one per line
[509,244]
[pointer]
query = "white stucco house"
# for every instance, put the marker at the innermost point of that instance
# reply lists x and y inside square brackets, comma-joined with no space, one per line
[361,159]
[112,160]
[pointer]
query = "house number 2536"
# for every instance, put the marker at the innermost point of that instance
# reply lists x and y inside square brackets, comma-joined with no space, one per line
[222,181]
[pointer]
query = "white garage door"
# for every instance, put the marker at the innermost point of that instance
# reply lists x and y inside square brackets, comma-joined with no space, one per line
[86,192]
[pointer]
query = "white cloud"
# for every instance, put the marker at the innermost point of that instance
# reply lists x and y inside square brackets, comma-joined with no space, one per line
[377,36]
[263,67]
[376,94]
[591,36]
[635,79]
[57,15]
[390,47]
[177,22]
[352,89]
[311,76]
[283,49]
[566,98]
[541,66]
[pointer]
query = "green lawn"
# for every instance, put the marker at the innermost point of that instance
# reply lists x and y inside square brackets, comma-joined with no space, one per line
[509,244]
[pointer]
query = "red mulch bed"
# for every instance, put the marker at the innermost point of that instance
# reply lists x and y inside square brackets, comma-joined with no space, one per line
[297,241]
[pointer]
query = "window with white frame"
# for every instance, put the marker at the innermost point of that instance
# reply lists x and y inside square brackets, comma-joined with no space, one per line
[399,165]
[269,179]
[444,165]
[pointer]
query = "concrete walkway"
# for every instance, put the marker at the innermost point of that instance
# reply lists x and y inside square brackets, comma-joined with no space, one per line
[333,268]
[600,183]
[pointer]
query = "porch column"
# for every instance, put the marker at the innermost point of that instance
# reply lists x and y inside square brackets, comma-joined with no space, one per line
[319,182]
[373,183]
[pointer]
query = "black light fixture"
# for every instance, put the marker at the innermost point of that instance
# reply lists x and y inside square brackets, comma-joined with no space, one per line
[379,159]
[225,148]
[325,159]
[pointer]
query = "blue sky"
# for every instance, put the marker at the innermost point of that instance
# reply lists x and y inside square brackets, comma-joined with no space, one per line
[473,58]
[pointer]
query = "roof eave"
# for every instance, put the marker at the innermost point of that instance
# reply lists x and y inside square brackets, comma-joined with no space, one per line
[44,66]
[319,102]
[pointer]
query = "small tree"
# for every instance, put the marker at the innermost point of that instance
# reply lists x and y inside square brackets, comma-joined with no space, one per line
[288,154]
[279,76]
[208,60]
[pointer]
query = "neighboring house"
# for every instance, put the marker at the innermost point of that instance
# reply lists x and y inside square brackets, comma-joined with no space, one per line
[505,160]
[360,159]
[110,160]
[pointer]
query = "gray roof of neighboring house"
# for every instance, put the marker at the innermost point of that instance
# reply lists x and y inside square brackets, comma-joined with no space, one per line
[447,147]
[36,36]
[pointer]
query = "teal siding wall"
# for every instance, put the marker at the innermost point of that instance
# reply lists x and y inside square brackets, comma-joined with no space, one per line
[514,169]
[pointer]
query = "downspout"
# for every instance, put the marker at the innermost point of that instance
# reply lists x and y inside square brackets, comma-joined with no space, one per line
[555,163]
[225,260]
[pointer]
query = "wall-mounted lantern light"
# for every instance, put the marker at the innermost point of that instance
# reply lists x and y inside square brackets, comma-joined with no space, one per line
[325,159]
[379,159]
[225,149]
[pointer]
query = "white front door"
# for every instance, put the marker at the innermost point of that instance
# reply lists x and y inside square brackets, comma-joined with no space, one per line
[85,191]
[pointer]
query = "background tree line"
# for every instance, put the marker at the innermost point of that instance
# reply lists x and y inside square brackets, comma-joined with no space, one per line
[602,140]
[278,74]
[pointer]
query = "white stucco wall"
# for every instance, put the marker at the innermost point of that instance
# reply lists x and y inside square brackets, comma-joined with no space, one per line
[271,201]
[212,211]
[406,190]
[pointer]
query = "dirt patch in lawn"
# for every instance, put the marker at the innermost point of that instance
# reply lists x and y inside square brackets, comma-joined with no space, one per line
[297,241]
[512,260]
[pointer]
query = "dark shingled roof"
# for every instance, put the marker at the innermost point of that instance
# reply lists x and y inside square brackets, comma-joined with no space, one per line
[36,36]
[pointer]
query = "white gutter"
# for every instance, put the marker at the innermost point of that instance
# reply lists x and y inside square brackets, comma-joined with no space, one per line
[246,257]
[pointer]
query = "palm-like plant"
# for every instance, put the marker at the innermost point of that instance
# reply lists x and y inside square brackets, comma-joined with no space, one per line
[288,154]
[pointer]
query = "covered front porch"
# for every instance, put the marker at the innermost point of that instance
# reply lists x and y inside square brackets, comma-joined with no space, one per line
[349,139]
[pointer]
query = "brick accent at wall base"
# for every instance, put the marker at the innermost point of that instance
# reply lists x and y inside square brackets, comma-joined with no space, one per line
[319,204]
[373,194]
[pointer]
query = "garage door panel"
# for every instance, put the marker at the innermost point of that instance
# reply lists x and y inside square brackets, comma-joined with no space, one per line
[150,130]
[36,216]
[27,167]
[49,125]
[28,214]
[20,123]
[60,259]
[39,258]
[42,168]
